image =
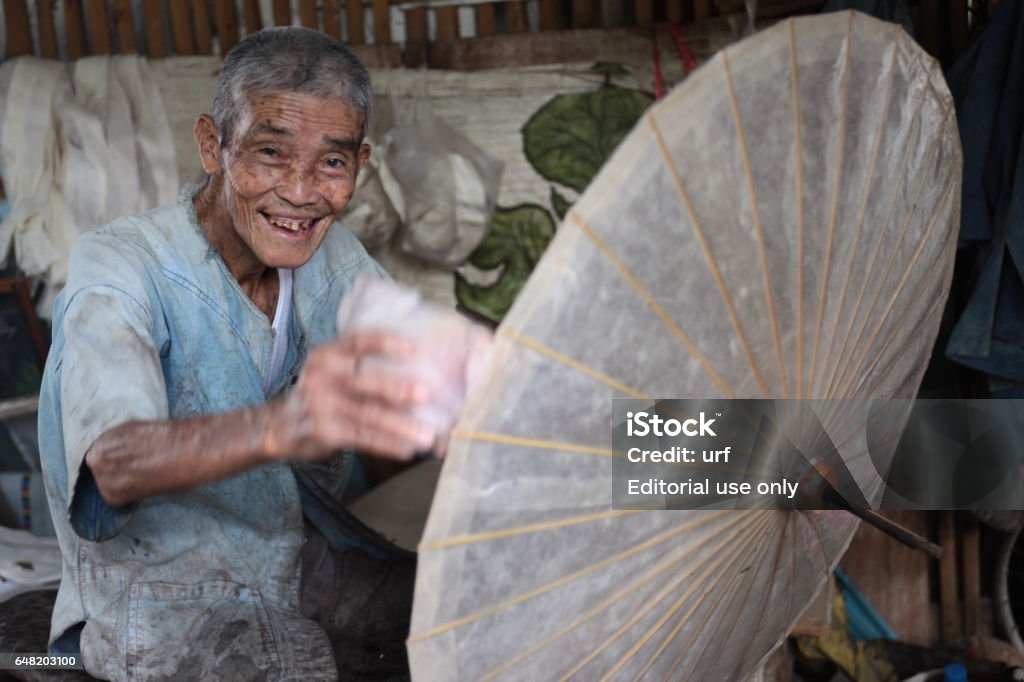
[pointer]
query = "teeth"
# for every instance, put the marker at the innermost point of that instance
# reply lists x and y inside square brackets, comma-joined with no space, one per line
[291,225]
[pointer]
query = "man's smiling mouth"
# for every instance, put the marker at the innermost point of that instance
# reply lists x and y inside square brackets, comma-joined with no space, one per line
[290,224]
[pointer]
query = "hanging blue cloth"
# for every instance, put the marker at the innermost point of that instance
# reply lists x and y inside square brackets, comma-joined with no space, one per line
[987,84]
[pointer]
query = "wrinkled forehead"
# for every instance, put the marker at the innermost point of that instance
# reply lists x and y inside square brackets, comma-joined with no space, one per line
[300,117]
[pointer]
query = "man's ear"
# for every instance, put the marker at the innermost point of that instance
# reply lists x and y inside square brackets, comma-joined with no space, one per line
[364,155]
[208,140]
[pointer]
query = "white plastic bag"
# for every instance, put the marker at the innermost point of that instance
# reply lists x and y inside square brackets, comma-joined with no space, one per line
[449,350]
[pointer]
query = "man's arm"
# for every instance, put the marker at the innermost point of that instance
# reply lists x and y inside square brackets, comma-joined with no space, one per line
[339,402]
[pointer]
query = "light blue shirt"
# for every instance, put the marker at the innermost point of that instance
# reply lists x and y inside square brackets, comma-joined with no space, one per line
[152,326]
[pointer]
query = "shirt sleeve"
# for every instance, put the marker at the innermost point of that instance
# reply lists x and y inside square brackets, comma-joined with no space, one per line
[111,374]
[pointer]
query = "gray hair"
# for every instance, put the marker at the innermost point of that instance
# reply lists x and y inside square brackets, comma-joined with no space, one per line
[289,59]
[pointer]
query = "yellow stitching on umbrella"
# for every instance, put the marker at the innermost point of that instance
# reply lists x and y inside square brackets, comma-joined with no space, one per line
[575,219]
[755,211]
[498,608]
[622,594]
[457,540]
[716,274]
[537,346]
[867,194]
[794,84]
[835,206]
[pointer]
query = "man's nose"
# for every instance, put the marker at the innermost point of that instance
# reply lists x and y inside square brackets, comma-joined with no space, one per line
[298,187]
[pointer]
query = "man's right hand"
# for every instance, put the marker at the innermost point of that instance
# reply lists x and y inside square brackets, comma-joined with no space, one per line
[342,401]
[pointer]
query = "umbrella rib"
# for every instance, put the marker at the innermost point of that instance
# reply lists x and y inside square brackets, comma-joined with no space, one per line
[459,540]
[767,597]
[538,443]
[748,533]
[833,211]
[821,540]
[752,536]
[576,575]
[576,220]
[538,347]
[867,195]
[622,594]
[899,288]
[756,215]
[874,259]
[705,246]
[794,85]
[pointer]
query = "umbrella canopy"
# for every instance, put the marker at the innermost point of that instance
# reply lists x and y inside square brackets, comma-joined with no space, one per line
[782,225]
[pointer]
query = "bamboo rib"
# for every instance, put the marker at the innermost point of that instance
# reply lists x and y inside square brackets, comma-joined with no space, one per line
[755,210]
[709,258]
[694,584]
[575,219]
[794,84]
[752,535]
[809,517]
[834,209]
[537,346]
[539,444]
[619,596]
[864,202]
[576,575]
[459,540]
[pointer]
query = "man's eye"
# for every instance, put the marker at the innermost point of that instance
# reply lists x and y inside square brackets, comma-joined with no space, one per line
[268,151]
[335,163]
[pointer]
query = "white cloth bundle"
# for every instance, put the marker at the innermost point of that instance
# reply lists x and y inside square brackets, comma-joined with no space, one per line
[449,350]
[78,154]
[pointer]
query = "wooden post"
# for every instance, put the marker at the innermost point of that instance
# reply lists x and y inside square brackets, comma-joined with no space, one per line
[485,25]
[47,32]
[515,17]
[251,16]
[124,24]
[611,13]
[354,19]
[674,11]
[971,558]
[282,13]
[701,9]
[332,21]
[949,611]
[154,29]
[226,17]
[201,18]
[74,25]
[19,31]
[181,29]
[381,22]
[307,14]
[644,13]
[550,15]
[99,27]
[447,22]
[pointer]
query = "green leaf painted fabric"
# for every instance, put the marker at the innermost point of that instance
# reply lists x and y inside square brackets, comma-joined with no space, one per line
[515,243]
[560,204]
[569,138]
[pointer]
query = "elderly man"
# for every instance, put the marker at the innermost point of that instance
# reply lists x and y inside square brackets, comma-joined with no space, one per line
[196,400]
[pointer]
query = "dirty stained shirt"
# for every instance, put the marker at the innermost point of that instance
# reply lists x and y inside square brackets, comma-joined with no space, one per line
[152,326]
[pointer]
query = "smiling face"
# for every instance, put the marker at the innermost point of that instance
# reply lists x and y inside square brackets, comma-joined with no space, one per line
[288,170]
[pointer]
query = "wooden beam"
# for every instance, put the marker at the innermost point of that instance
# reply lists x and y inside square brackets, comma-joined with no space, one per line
[332,21]
[19,30]
[99,27]
[47,31]
[550,15]
[74,26]
[201,18]
[154,29]
[354,22]
[674,11]
[282,13]
[447,22]
[124,24]
[485,24]
[582,13]
[181,29]
[307,14]
[225,15]
[971,559]
[515,17]
[612,13]
[251,16]
[381,22]
[416,25]
[701,9]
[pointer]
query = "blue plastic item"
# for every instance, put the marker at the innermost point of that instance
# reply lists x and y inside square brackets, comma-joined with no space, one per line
[862,620]
[954,672]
